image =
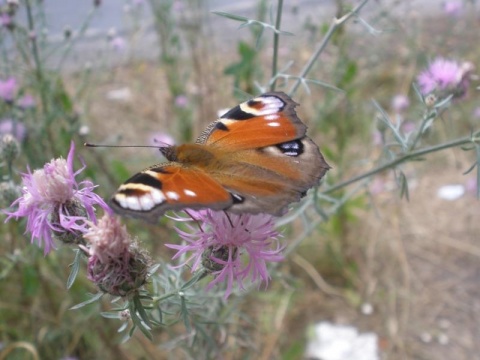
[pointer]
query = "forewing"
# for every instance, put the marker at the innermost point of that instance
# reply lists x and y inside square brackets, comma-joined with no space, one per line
[170,186]
[266,120]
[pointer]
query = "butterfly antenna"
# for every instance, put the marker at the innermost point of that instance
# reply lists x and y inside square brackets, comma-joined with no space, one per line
[121,146]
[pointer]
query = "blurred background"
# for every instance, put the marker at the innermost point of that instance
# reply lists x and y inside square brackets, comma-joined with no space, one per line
[391,274]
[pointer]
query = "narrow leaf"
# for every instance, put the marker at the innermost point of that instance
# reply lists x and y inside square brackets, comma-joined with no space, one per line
[89,301]
[231,16]
[75,268]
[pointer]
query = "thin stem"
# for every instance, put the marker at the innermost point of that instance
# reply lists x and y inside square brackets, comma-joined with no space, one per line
[333,27]
[276,41]
[425,120]
[401,159]
[39,74]
[72,42]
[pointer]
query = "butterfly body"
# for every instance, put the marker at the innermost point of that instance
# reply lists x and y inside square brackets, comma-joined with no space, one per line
[255,159]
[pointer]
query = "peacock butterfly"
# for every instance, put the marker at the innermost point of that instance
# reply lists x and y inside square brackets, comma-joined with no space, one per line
[254,159]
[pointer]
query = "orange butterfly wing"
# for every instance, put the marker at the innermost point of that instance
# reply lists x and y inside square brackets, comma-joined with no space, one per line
[169,186]
[269,119]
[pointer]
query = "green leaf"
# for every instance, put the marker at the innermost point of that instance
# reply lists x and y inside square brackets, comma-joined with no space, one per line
[231,16]
[141,310]
[185,314]
[75,268]
[89,301]
[110,315]
[137,321]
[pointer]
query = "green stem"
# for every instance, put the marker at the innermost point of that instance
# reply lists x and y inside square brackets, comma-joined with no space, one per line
[401,159]
[276,40]
[427,118]
[333,27]
[197,276]
[72,42]
[39,74]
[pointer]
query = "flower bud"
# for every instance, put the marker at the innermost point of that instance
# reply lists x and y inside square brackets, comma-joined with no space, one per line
[9,148]
[9,192]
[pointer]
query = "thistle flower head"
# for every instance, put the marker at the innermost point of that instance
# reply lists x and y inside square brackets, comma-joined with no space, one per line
[9,148]
[8,89]
[116,264]
[231,247]
[53,203]
[400,103]
[16,128]
[445,77]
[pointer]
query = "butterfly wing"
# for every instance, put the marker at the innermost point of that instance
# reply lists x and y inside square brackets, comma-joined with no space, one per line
[267,160]
[268,119]
[169,186]
[255,159]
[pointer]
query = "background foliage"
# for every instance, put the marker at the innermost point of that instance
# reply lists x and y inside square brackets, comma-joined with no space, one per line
[356,244]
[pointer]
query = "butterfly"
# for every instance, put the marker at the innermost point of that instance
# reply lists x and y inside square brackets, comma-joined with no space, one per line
[254,159]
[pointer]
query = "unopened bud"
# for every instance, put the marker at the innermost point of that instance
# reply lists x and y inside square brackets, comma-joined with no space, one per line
[9,192]
[9,148]
[430,100]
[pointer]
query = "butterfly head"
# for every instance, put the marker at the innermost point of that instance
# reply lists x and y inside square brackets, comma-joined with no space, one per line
[169,151]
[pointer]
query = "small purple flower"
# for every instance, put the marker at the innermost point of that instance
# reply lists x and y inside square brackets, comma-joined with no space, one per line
[118,43]
[181,101]
[116,264]
[408,127]
[400,103]
[5,20]
[8,89]
[231,247]
[476,112]
[471,185]
[26,101]
[445,76]
[453,7]
[16,128]
[55,205]
[377,138]
[161,139]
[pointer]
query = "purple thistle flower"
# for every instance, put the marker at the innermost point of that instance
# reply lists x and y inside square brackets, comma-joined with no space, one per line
[108,239]
[16,128]
[116,264]
[445,76]
[26,101]
[118,43]
[231,247]
[8,89]
[400,103]
[453,7]
[181,101]
[5,20]
[55,205]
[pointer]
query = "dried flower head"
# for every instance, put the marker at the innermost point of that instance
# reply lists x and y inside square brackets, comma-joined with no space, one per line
[116,264]
[53,203]
[231,247]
